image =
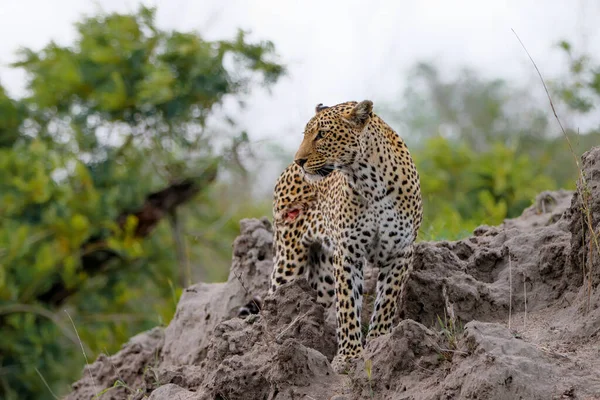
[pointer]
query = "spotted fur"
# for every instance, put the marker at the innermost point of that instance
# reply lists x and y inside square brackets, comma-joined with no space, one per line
[351,196]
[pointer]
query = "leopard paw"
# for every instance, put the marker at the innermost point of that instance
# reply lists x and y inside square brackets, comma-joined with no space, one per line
[252,307]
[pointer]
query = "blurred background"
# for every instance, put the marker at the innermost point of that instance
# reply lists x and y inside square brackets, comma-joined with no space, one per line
[135,135]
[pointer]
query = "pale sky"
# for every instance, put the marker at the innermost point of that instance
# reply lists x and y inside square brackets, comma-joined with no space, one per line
[338,50]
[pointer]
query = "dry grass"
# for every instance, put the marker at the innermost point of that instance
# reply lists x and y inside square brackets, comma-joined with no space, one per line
[46,384]
[509,291]
[87,364]
[452,331]
[582,190]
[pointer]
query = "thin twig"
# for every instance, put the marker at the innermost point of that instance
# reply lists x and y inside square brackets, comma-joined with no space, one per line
[297,319]
[509,290]
[83,351]
[46,384]
[583,182]
[423,368]
[549,99]
[591,264]
[525,294]
[441,349]
[543,206]
[185,274]
[239,278]
[449,306]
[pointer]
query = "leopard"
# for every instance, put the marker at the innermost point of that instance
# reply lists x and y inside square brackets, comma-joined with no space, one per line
[350,198]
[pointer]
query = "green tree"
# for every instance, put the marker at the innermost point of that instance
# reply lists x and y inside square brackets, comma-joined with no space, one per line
[467,107]
[107,188]
[579,90]
[12,115]
[485,147]
[463,188]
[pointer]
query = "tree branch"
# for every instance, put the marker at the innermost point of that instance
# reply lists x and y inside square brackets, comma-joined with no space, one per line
[95,255]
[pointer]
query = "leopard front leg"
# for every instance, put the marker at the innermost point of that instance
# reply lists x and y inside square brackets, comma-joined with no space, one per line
[348,271]
[291,258]
[320,275]
[392,277]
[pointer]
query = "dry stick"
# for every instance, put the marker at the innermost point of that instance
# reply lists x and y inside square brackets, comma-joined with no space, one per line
[551,102]
[449,306]
[590,225]
[423,368]
[543,206]
[183,263]
[239,278]
[590,263]
[83,351]
[297,319]
[441,349]
[509,289]
[584,260]
[525,293]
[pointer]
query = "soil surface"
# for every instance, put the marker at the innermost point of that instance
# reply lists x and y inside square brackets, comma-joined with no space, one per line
[512,312]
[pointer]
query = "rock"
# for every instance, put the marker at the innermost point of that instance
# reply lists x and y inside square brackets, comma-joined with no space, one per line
[394,362]
[476,278]
[172,391]
[294,313]
[131,366]
[270,356]
[525,292]
[502,366]
[204,305]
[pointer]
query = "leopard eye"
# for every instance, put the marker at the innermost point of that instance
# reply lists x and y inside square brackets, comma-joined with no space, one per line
[320,135]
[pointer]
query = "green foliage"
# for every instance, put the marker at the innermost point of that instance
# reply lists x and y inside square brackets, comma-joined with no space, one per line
[12,113]
[484,147]
[121,113]
[463,189]
[116,116]
[583,82]
[467,107]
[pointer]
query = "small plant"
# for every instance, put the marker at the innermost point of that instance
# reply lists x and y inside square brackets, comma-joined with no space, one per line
[369,370]
[365,329]
[118,384]
[452,332]
[152,372]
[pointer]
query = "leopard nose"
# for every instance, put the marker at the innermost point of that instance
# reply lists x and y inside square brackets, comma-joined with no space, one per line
[300,161]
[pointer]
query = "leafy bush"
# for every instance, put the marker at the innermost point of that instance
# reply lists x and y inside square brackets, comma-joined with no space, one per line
[463,189]
[106,189]
[485,147]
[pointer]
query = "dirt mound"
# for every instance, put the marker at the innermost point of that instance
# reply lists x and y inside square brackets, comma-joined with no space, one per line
[512,312]
[486,276]
[112,378]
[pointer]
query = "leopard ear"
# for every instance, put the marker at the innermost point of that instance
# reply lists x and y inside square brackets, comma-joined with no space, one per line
[320,107]
[361,113]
